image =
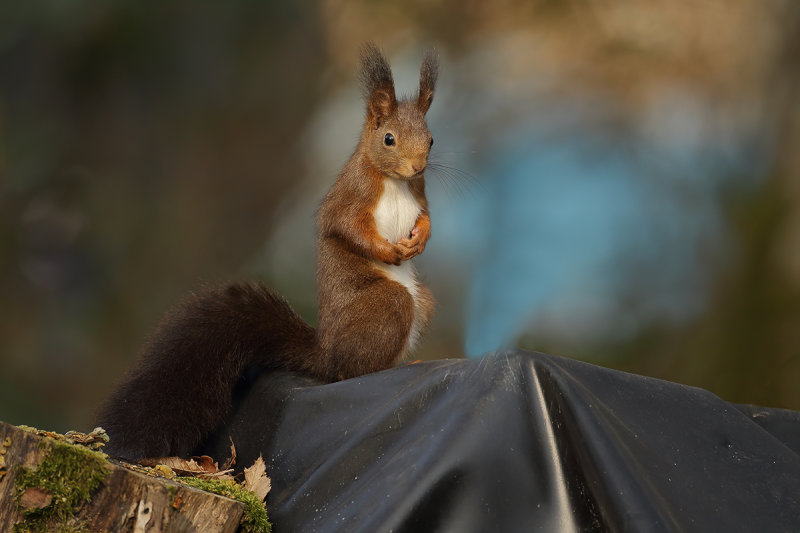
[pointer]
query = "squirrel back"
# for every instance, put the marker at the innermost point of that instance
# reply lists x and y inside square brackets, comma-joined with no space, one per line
[372,308]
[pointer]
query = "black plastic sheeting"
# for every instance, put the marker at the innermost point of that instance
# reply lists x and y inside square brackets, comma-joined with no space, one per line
[511,442]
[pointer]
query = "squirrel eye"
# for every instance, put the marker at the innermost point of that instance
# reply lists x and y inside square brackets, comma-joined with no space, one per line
[431,142]
[388,139]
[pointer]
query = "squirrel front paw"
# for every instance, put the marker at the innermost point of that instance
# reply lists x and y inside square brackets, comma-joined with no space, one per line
[389,253]
[411,247]
[414,244]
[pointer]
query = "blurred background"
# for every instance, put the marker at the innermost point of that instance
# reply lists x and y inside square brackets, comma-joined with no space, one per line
[616,182]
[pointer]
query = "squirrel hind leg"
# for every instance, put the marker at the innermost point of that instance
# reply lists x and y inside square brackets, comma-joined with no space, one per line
[424,305]
[371,334]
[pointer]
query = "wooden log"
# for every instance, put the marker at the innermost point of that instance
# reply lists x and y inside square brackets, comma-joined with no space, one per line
[125,501]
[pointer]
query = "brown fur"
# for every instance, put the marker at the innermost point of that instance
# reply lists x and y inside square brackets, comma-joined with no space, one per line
[181,387]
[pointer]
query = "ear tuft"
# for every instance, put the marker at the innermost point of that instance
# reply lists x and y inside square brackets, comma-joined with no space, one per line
[377,83]
[428,73]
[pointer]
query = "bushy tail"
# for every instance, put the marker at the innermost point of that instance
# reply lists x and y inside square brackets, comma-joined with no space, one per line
[181,387]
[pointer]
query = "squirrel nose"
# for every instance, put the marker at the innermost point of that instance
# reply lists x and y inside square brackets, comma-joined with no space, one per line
[418,167]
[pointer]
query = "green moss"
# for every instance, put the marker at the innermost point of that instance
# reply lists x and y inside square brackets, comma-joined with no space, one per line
[70,474]
[255,514]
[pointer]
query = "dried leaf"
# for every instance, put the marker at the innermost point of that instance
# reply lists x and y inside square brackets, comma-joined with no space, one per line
[230,461]
[256,480]
[178,465]
[202,466]
[206,463]
[223,475]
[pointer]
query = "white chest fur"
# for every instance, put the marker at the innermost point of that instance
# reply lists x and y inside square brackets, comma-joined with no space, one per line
[397,210]
[395,216]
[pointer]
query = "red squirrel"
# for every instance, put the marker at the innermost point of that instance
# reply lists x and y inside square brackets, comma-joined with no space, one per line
[372,307]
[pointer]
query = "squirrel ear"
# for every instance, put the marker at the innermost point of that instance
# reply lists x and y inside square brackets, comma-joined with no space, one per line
[376,77]
[427,80]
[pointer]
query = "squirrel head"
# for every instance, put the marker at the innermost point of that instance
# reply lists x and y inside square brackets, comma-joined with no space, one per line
[395,137]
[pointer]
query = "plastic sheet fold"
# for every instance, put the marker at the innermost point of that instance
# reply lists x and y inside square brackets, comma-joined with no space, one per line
[514,442]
